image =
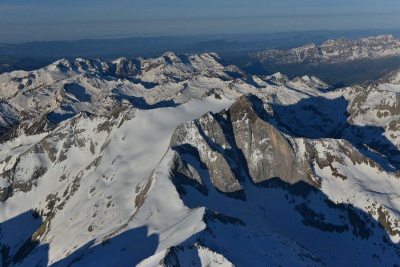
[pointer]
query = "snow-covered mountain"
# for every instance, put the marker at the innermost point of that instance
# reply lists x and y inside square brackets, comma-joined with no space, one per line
[63,89]
[181,160]
[334,51]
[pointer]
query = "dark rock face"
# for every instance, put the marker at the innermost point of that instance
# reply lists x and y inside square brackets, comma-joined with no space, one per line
[245,180]
[208,143]
[236,146]
[240,145]
[126,68]
[268,153]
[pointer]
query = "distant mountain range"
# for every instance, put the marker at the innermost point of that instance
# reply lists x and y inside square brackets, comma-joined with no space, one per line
[231,44]
[340,62]
[183,160]
[334,51]
[295,54]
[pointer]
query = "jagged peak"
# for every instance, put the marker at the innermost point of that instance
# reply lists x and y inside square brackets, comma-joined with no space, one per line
[335,51]
[305,47]
[79,59]
[83,63]
[278,75]
[120,60]
[250,102]
[271,140]
[306,78]
[63,62]
[341,39]
[393,78]
[328,42]
[172,57]
[170,54]
[380,37]
[213,55]
[311,81]
[315,81]
[206,56]
[277,78]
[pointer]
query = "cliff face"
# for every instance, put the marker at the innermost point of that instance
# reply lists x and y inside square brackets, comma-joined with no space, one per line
[239,145]
[182,161]
[242,154]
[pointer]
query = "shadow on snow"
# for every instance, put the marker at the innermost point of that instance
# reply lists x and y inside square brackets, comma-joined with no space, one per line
[318,117]
[19,247]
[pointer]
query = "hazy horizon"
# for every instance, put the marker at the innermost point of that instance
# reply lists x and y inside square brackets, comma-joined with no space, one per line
[48,20]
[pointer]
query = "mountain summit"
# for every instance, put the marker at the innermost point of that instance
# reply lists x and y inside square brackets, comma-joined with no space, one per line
[181,160]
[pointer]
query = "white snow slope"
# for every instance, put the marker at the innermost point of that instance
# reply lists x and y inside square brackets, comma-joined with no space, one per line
[87,178]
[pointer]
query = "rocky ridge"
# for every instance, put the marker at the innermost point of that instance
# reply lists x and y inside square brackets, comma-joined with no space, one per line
[181,160]
[335,51]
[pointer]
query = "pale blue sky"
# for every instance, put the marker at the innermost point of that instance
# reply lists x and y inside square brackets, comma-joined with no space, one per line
[28,20]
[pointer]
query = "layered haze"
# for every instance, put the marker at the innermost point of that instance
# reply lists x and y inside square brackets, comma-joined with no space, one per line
[55,20]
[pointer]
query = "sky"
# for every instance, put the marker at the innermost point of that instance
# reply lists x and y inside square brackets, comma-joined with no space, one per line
[45,20]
